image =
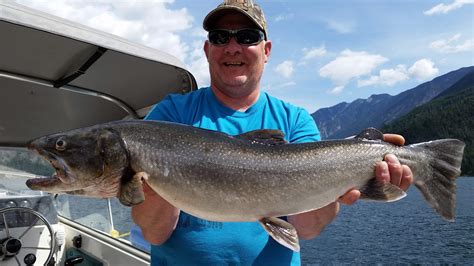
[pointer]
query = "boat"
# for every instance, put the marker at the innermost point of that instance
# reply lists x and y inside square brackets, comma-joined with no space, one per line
[56,75]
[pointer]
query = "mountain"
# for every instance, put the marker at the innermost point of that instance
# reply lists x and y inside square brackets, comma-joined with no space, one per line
[466,82]
[346,119]
[451,115]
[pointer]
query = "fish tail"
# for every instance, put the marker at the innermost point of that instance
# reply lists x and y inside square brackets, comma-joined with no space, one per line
[437,183]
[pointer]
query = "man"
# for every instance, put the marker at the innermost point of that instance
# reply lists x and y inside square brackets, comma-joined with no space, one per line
[237,49]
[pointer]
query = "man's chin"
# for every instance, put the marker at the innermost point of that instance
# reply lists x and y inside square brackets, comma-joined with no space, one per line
[236,81]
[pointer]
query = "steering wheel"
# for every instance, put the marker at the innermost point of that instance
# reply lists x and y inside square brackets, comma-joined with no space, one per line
[22,236]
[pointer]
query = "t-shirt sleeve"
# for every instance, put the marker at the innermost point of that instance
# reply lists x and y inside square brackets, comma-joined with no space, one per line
[305,128]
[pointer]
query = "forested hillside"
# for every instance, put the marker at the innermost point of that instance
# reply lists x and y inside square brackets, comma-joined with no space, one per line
[449,116]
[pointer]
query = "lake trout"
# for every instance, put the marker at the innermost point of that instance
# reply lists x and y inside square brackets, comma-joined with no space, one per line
[255,176]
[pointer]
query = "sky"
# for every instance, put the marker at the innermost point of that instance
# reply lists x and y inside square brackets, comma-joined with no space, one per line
[323,51]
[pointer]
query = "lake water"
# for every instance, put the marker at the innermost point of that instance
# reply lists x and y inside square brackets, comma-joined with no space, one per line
[407,231]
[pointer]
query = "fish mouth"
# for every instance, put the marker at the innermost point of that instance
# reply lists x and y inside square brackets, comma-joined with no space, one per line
[62,179]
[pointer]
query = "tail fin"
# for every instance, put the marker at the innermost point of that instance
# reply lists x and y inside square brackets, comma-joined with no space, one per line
[439,184]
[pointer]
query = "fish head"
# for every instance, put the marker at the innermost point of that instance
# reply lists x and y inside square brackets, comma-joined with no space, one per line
[82,159]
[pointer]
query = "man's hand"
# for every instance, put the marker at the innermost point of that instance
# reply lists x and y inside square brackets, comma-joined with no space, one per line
[389,170]
[311,224]
[156,217]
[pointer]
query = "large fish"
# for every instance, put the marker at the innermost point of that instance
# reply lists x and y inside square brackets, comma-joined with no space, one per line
[255,176]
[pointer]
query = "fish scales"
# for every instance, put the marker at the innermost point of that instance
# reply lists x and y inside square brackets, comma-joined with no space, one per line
[251,177]
[229,179]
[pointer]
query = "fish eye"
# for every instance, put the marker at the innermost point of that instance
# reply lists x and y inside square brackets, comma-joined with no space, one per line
[60,144]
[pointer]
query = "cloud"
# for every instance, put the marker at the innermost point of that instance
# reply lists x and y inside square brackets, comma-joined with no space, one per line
[423,69]
[288,84]
[283,17]
[336,90]
[388,77]
[310,53]
[278,87]
[198,65]
[151,23]
[199,32]
[285,69]
[349,65]
[444,9]
[452,45]
[340,27]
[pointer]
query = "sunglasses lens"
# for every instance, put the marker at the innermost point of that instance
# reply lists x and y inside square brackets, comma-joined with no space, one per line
[243,36]
[219,37]
[249,36]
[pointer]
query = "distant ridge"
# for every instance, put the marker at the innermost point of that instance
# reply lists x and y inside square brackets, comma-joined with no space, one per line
[346,119]
[466,82]
[450,115]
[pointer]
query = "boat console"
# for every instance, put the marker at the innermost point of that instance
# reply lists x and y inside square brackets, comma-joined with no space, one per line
[29,229]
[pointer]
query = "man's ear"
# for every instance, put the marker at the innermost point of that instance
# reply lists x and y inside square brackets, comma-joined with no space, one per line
[206,49]
[268,48]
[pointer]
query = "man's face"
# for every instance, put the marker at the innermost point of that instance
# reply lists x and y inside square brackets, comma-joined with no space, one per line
[236,69]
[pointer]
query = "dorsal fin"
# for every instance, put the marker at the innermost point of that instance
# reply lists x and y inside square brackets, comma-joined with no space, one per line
[264,136]
[370,134]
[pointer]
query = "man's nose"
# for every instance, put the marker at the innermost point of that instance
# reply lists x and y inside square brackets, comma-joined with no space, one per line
[233,47]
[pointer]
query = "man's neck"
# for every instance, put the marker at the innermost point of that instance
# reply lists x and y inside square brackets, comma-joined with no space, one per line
[237,103]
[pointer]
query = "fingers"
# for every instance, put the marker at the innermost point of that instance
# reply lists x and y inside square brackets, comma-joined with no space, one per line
[389,170]
[407,178]
[394,139]
[394,168]
[381,172]
[350,197]
[392,171]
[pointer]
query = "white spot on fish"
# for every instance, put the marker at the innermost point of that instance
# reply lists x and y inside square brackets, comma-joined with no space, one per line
[166,172]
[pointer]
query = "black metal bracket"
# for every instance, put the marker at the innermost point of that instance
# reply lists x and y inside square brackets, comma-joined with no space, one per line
[82,70]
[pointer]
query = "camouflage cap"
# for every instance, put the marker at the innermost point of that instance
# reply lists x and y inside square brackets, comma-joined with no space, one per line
[246,7]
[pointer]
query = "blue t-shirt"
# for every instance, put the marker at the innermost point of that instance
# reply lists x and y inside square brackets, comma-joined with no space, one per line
[200,242]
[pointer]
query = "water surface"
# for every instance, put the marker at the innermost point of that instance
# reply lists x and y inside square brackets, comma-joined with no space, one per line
[406,231]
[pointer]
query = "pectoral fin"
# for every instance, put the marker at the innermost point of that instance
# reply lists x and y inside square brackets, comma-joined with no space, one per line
[131,191]
[282,231]
[375,190]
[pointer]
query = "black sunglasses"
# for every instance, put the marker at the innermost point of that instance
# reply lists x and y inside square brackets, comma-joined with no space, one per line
[242,36]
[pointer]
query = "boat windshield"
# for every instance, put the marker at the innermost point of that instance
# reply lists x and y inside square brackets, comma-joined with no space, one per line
[106,216]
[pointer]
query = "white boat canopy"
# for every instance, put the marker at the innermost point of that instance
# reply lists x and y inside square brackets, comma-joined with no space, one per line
[57,75]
